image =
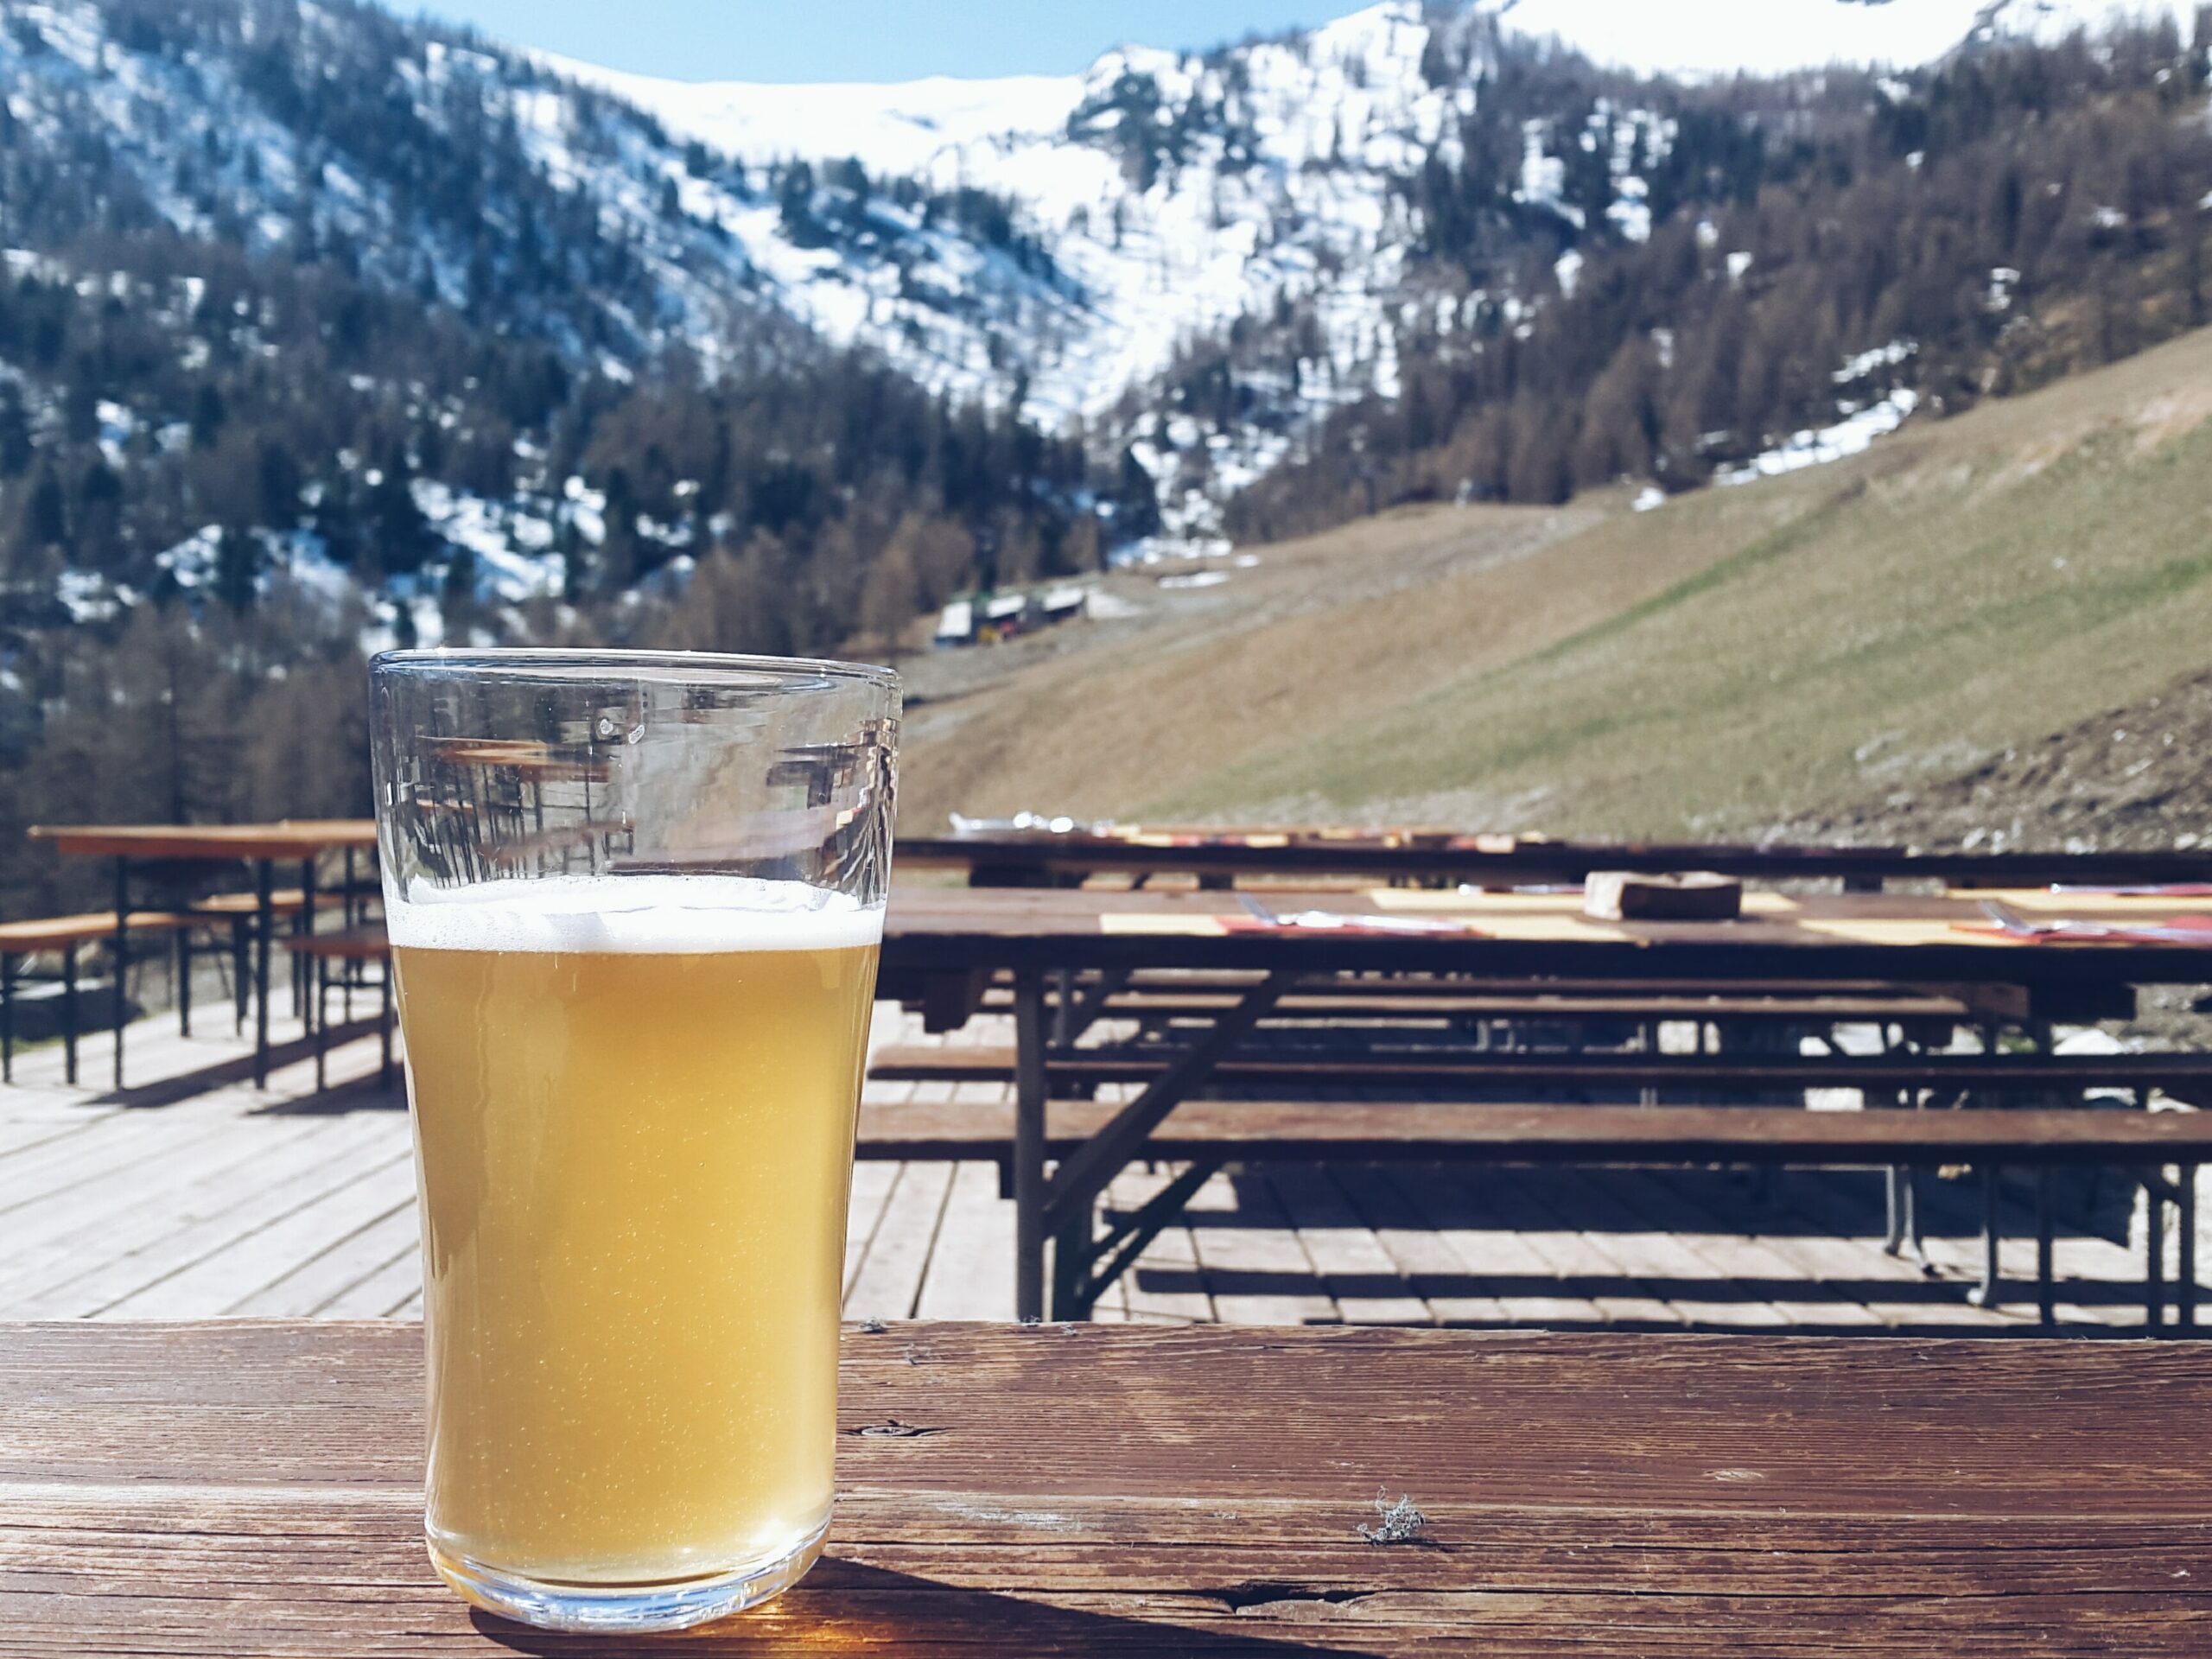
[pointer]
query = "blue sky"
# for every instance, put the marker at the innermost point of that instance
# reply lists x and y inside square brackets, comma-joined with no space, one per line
[867,40]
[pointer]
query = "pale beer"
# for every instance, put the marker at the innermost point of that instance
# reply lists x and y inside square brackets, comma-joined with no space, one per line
[634,1103]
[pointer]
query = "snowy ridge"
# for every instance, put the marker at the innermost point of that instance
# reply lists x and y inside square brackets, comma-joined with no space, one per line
[1713,38]
[1179,193]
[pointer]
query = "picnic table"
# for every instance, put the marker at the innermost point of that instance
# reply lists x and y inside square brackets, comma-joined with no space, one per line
[942,947]
[262,845]
[1222,857]
[255,1488]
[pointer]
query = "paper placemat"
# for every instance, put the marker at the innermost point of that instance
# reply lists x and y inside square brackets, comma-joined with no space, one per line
[1139,922]
[2042,901]
[1573,928]
[1895,930]
[1432,901]
[1487,905]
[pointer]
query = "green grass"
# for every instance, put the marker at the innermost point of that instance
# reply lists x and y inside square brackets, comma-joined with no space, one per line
[1916,608]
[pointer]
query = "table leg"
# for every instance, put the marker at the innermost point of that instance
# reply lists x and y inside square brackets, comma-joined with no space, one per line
[2046,1270]
[184,981]
[7,1017]
[264,923]
[1077,1185]
[349,971]
[2154,1263]
[241,973]
[322,980]
[384,1026]
[2185,1269]
[120,998]
[69,1012]
[1986,1293]
[303,972]
[1029,1144]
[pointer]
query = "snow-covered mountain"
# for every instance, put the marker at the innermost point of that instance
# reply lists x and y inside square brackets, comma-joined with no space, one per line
[1177,192]
[1183,263]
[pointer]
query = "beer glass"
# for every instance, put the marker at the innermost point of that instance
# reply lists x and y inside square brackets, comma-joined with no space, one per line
[634,901]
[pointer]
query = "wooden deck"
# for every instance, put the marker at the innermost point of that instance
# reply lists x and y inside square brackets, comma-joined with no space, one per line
[192,1195]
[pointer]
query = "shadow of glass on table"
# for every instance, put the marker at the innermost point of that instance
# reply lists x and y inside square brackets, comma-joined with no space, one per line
[844,1607]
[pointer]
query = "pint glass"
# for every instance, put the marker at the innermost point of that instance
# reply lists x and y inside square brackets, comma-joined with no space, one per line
[634,902]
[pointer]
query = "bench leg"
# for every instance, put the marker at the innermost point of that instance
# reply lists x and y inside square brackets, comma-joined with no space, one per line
[264,881]
[2185,1269]
[2046,1272]
[7,1017]
[69,1014]
[1988,1293]
[320,977]
[241,975]
[1902,1193]
[304,1003]
[1070,1266]
[2154,1259]
[1029,1144]
[184,981]
[120,1000]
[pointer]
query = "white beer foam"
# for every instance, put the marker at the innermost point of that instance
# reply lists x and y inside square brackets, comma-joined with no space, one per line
[667,915]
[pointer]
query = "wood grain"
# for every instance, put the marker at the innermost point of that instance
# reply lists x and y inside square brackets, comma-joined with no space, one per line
[2186,1074]
[1887,936]
[1428,1131]
[211,842]
[251,1488]
[1508,859]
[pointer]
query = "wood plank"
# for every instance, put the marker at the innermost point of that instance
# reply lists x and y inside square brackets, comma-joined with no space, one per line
[21,1134]
[1165,1287]
[228,1275]
[316,1281]
[1692,1290]
[872,1184]
[254,1489]
[393,1290]
[1419,1130]
[2178,1073]
[72,1228]
[1429,1263]
[889,1281]
[1729,1250]
[1538,1268]
[970,1272]
[1257,1271]
[218,1214]
[1356,1271]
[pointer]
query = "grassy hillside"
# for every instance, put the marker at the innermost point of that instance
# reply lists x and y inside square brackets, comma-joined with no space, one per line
[1738,657]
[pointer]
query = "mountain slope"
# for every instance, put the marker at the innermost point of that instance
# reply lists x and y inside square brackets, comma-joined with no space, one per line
[1738,658]
[1306,185]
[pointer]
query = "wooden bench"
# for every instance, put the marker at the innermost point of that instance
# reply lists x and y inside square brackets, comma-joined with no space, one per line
[1821,1002]
[364,943]
[66,935]
[236,912]
[2187,1076]
[1923,1018]
[1208,1133]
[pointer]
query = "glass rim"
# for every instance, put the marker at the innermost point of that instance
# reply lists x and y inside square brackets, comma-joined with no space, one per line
[582,662]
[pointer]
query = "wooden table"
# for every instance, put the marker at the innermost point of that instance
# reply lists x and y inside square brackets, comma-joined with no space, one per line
[249,1489]
[1223,857]
[941,946]
[263,845]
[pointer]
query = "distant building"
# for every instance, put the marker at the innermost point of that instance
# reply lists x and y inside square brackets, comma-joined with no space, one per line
[956,626]
[988,617]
